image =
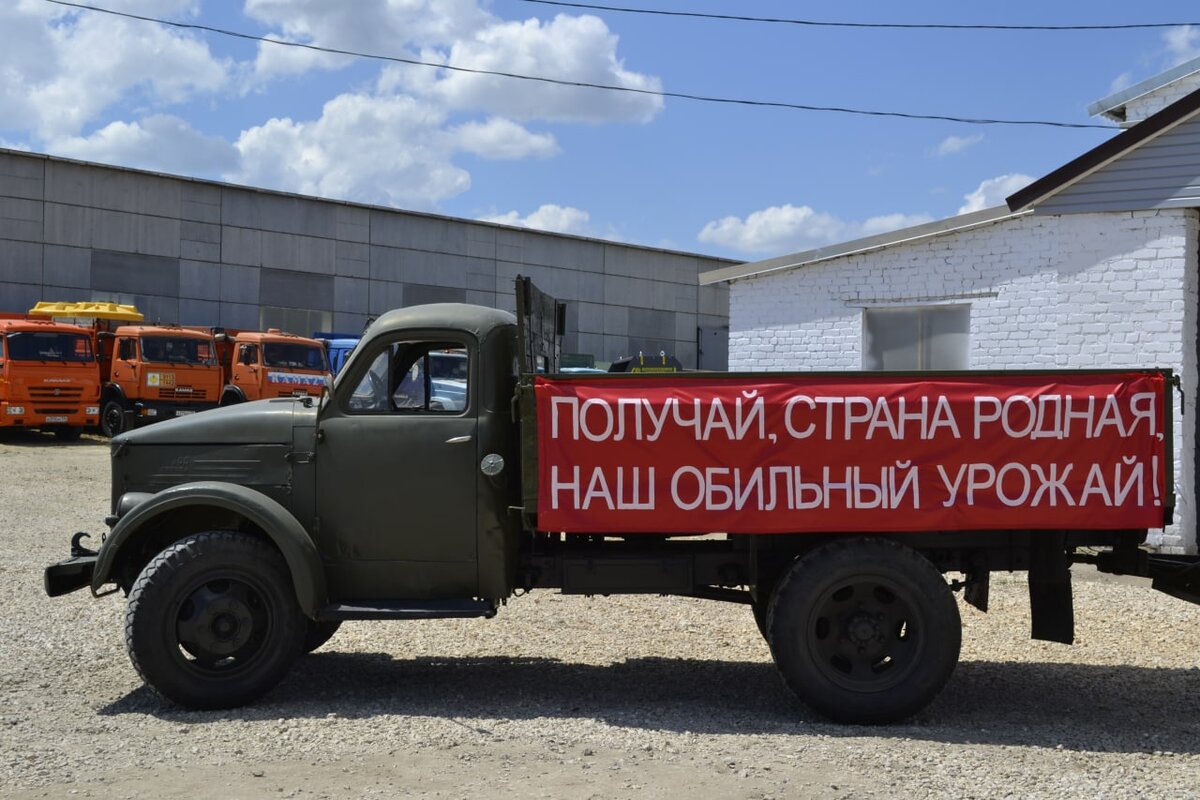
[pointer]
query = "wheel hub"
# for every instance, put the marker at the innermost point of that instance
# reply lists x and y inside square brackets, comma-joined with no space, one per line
[219,621]
[228,623]
[864,629]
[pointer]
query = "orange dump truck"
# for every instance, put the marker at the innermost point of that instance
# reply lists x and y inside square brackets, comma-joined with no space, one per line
[149,372]
[265,364]
[48,376]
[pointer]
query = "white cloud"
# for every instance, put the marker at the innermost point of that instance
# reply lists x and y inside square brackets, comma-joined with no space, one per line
[276,60]
[788,228]
[549,217]
[380,27]
[1183,43]
[503,139]
[161,142]
[579,49]
[993,191]
[93,86]
[63,69]
[375,25]
[957,144]
[1121,82]
[388,150]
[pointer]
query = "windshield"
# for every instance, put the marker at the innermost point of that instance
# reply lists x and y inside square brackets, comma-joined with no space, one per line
[49,346]
[177,350]
[296,356]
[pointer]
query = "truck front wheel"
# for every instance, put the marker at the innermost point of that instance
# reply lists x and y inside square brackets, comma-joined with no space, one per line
[213,622]
[865,631]
[112,418]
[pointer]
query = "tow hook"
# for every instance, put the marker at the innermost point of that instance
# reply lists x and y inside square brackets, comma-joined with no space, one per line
[77,549]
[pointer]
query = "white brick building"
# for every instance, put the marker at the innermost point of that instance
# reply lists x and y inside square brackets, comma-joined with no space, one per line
[1093,266]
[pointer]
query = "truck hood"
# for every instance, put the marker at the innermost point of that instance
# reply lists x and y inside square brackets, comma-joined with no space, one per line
[260,422]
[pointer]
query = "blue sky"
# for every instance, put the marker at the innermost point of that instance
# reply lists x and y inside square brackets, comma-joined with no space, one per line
[741,182]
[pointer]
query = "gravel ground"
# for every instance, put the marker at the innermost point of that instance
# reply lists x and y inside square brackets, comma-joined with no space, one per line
[571,697]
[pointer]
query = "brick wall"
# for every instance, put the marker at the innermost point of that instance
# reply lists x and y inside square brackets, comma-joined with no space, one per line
[1053,292]
[1139,108]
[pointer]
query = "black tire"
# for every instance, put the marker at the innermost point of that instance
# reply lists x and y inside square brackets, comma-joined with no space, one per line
[864,631]
[319,632]
[759,606]
[68,434]
[230,399]
[112,418]
[213,622]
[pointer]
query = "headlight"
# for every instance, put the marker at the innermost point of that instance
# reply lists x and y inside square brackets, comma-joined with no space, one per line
[16,410]
[92,411]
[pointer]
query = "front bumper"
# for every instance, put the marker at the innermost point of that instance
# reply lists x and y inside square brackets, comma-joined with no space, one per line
[74,573]
[47,415]
[67,576]
[148,411]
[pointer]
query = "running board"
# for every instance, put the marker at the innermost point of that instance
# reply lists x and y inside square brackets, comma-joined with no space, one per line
[408,609]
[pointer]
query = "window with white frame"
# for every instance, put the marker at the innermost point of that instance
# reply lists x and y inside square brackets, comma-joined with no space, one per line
[916,337]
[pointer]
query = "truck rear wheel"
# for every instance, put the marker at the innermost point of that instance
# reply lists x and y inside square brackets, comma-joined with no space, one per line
[112,418]
[865,631]
[213,622]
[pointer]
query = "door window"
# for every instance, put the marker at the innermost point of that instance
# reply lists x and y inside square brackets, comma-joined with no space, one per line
[414,377]
[126,350]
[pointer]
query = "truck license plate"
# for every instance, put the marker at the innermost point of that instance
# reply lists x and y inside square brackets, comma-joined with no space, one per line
[56,419]
[183,413]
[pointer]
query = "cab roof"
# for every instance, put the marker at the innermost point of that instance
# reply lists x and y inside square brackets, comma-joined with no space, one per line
[478,320]
[162,330]
[28,325]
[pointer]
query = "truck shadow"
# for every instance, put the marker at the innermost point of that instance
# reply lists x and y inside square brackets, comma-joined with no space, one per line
[1073,706]
[29,437]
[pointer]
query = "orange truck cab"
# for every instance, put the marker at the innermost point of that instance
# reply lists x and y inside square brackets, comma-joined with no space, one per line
[49,378]
[260,365]
[148,373]
[157,372]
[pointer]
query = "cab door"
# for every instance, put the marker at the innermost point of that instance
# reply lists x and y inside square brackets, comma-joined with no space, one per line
[245,371]
[126,367]
[396,457]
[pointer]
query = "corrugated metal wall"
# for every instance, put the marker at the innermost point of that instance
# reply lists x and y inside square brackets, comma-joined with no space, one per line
[203,253]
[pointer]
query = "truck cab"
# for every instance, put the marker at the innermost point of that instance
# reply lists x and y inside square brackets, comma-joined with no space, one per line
[49,378]
[155,373]
[265,364]
[338,347]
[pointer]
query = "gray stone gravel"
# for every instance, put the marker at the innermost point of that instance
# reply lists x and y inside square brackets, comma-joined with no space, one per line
[572,697]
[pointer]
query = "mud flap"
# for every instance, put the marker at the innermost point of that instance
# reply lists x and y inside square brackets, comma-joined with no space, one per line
[1050,601]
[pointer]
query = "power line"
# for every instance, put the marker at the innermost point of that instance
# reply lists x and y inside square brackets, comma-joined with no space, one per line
[584,84]
[890,25]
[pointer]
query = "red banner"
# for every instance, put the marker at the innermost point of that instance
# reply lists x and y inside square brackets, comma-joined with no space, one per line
[792,454]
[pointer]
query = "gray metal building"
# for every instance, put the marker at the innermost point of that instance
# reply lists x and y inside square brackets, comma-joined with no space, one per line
[205,253]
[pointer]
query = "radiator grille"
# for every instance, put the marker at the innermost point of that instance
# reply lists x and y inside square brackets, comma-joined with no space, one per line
[55,392]
[183,393]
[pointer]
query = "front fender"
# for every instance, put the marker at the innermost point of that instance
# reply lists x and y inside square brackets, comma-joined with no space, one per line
[303,560]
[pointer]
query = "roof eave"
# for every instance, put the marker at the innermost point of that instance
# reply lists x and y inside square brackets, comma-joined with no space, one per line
[1074,171]
[1108,106]
[880,241]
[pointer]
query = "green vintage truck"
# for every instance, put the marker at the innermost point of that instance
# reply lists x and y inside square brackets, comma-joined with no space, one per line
[243,536]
